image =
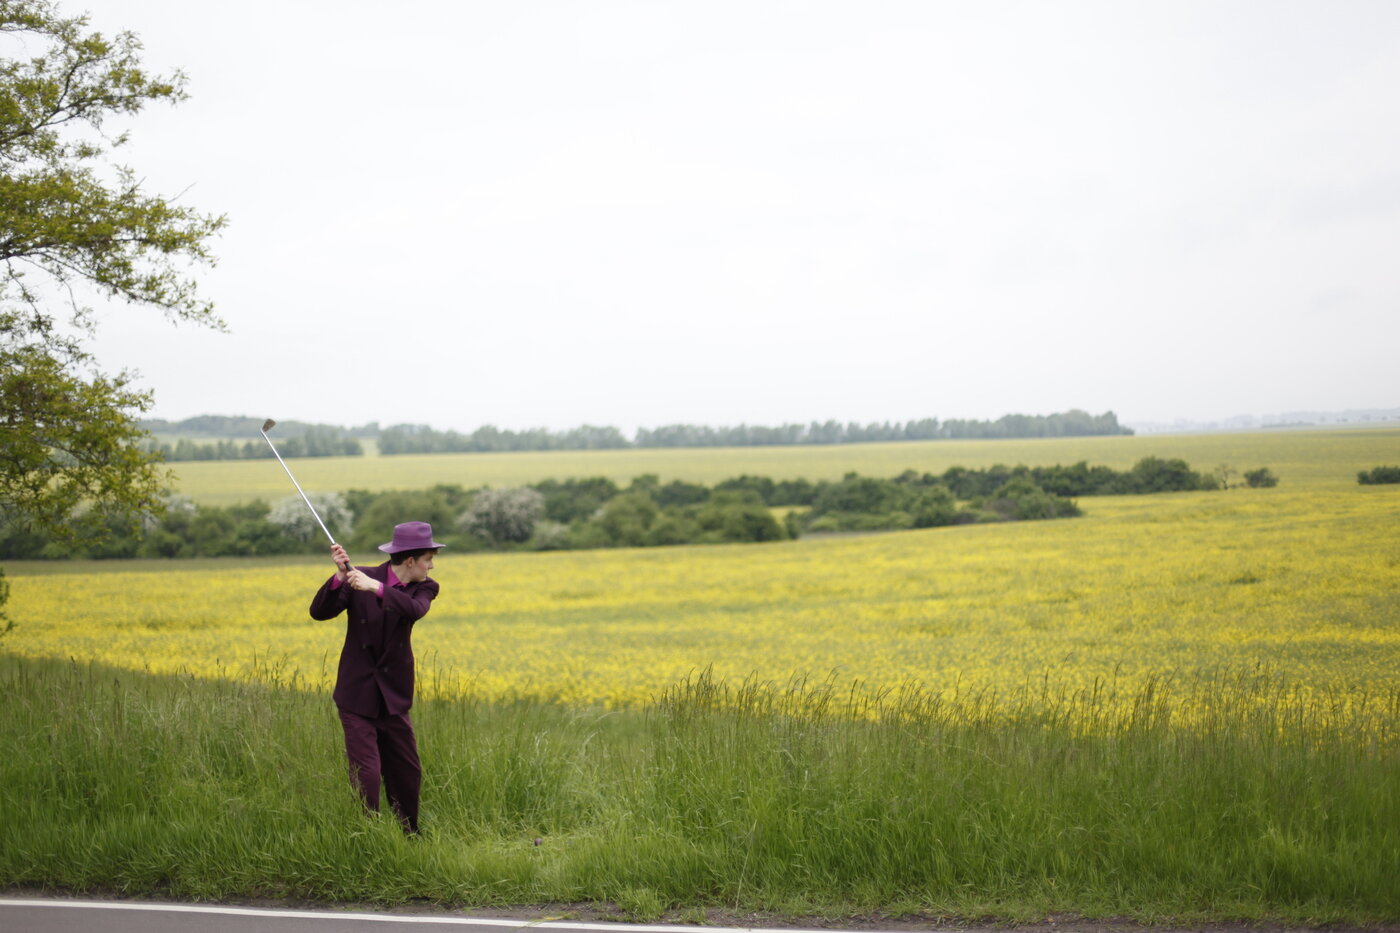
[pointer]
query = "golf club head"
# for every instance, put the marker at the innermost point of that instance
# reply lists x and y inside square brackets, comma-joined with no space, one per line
[268,425]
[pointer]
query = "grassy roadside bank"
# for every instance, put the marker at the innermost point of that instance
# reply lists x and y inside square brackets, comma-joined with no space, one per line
[1224,802]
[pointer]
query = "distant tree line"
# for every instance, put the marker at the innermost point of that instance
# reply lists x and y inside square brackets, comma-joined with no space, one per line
[242,427]
[421,439]
[1073,423]
[314,441]
[597,512]
[403,439]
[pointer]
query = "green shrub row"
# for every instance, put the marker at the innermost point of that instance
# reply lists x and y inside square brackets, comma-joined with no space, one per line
[1378,476]
[596,512]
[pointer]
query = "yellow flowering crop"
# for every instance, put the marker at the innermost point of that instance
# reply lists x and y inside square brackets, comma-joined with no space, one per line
[1305,581]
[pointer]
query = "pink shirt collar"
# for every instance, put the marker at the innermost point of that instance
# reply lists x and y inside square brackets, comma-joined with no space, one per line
[393,581]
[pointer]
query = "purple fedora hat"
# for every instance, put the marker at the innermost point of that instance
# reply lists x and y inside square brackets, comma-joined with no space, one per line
[411,536]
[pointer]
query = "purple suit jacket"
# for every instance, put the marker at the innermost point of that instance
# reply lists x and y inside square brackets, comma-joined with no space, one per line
[377,659]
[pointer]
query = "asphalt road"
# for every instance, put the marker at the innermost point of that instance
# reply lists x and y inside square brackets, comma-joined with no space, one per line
[62,915]
[74,915]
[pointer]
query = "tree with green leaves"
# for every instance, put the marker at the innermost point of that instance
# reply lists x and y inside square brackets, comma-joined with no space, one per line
[503,516]
[75,225]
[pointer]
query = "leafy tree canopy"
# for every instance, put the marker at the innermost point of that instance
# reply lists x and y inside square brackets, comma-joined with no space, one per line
[75,224]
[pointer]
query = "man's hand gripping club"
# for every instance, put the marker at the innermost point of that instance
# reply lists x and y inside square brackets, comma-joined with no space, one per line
[347,574]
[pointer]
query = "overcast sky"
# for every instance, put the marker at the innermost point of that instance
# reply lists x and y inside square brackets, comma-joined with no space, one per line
[638,213]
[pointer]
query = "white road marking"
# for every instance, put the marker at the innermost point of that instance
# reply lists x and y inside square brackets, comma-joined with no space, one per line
[385,918]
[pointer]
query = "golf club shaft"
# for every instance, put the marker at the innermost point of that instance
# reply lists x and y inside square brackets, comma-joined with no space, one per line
[314,515]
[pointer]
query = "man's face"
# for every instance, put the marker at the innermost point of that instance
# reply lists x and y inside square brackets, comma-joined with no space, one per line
[415,569]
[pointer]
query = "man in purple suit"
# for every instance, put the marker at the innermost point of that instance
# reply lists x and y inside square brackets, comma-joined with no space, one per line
[374,685]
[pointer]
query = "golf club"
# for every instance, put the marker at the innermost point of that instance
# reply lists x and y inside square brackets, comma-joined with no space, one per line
[268,425]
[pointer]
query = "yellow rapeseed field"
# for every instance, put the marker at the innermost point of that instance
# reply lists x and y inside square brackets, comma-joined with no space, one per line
[1304,581]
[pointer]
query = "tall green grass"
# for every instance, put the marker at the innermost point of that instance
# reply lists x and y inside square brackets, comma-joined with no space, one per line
[1233,800]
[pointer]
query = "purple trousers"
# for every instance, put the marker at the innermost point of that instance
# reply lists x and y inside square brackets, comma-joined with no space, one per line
[384,750]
